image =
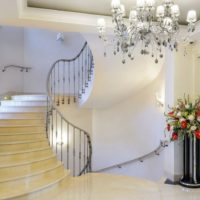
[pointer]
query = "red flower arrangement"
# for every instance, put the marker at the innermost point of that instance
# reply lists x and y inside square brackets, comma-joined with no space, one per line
[184,119]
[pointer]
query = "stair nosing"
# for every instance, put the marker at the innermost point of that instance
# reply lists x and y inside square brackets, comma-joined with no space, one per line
[15,100]
[24,142]
[11,119]
[57,165]
[18,126]
[16,134]
[27,151]
[20,112]
[18,106]
[21,133]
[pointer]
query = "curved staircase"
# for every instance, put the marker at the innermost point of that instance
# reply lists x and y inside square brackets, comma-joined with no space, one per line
[39,148]
[28,165]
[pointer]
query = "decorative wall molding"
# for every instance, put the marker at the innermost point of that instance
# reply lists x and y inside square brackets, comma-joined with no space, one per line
[78,21]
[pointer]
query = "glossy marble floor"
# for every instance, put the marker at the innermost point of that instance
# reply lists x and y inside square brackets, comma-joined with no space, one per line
[113,187]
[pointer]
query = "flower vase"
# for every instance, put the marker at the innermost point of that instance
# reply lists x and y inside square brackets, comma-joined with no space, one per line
[191,162]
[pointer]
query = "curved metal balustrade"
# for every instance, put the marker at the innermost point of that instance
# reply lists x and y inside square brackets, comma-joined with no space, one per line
[67,81]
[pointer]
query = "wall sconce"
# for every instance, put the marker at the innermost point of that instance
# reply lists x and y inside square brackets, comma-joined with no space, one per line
[60,143]
[60,37]
[159,100]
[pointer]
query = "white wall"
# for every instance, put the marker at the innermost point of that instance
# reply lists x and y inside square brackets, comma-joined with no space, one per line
[11,52]
[35,48]
[129,129]
[41,50]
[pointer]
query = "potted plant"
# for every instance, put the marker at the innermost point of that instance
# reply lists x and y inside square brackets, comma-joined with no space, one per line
[183,124]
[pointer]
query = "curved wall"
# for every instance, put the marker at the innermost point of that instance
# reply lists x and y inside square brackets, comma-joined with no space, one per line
[129,129]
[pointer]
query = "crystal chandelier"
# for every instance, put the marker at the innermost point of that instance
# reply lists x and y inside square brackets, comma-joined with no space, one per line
[153,30]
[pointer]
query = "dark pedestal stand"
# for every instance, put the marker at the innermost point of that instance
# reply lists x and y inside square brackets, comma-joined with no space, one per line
[191,163]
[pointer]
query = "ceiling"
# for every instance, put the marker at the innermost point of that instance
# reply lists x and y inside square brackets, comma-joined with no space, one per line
[102,7]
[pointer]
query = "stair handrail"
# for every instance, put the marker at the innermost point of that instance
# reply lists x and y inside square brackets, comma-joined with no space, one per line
[162,145]
[53,106]
[22,68]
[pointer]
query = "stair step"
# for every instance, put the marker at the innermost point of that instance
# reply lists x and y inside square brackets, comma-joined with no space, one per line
[23,103]
[22,109]
[6,148]
[22,133]
[12,122]
[28,166]
[16,171]
[25,185]
[22,129]
[35,115]
[24,157]
[29,97]
[52,189]
[21,137]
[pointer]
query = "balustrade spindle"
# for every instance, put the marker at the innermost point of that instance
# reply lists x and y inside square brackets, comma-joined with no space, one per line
[69,82]
[51,85]
[87,155]
[63,83]
[52,130]
[61,138]
[56,132]
[79,78]
[89,64]
[54,93]
[79,150]
[74,82]
[74,153]
[58,89]
[84,156]
[85,81]
[67,145]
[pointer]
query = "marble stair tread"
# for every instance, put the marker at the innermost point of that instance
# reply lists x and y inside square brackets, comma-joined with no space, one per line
[22,103]
[24,151]
[22,109]
[11,172]
[17,126]
[21,119]
[52,191]
[22,158]
[22,133]
[22,129]
[22,116]
[22,186]
[23,142]
[36,192]
[21,137]
[21,122]
[31,97]
[23,146]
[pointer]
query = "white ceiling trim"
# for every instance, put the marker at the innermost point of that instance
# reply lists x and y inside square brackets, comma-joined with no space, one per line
[78,22]
[73,19]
